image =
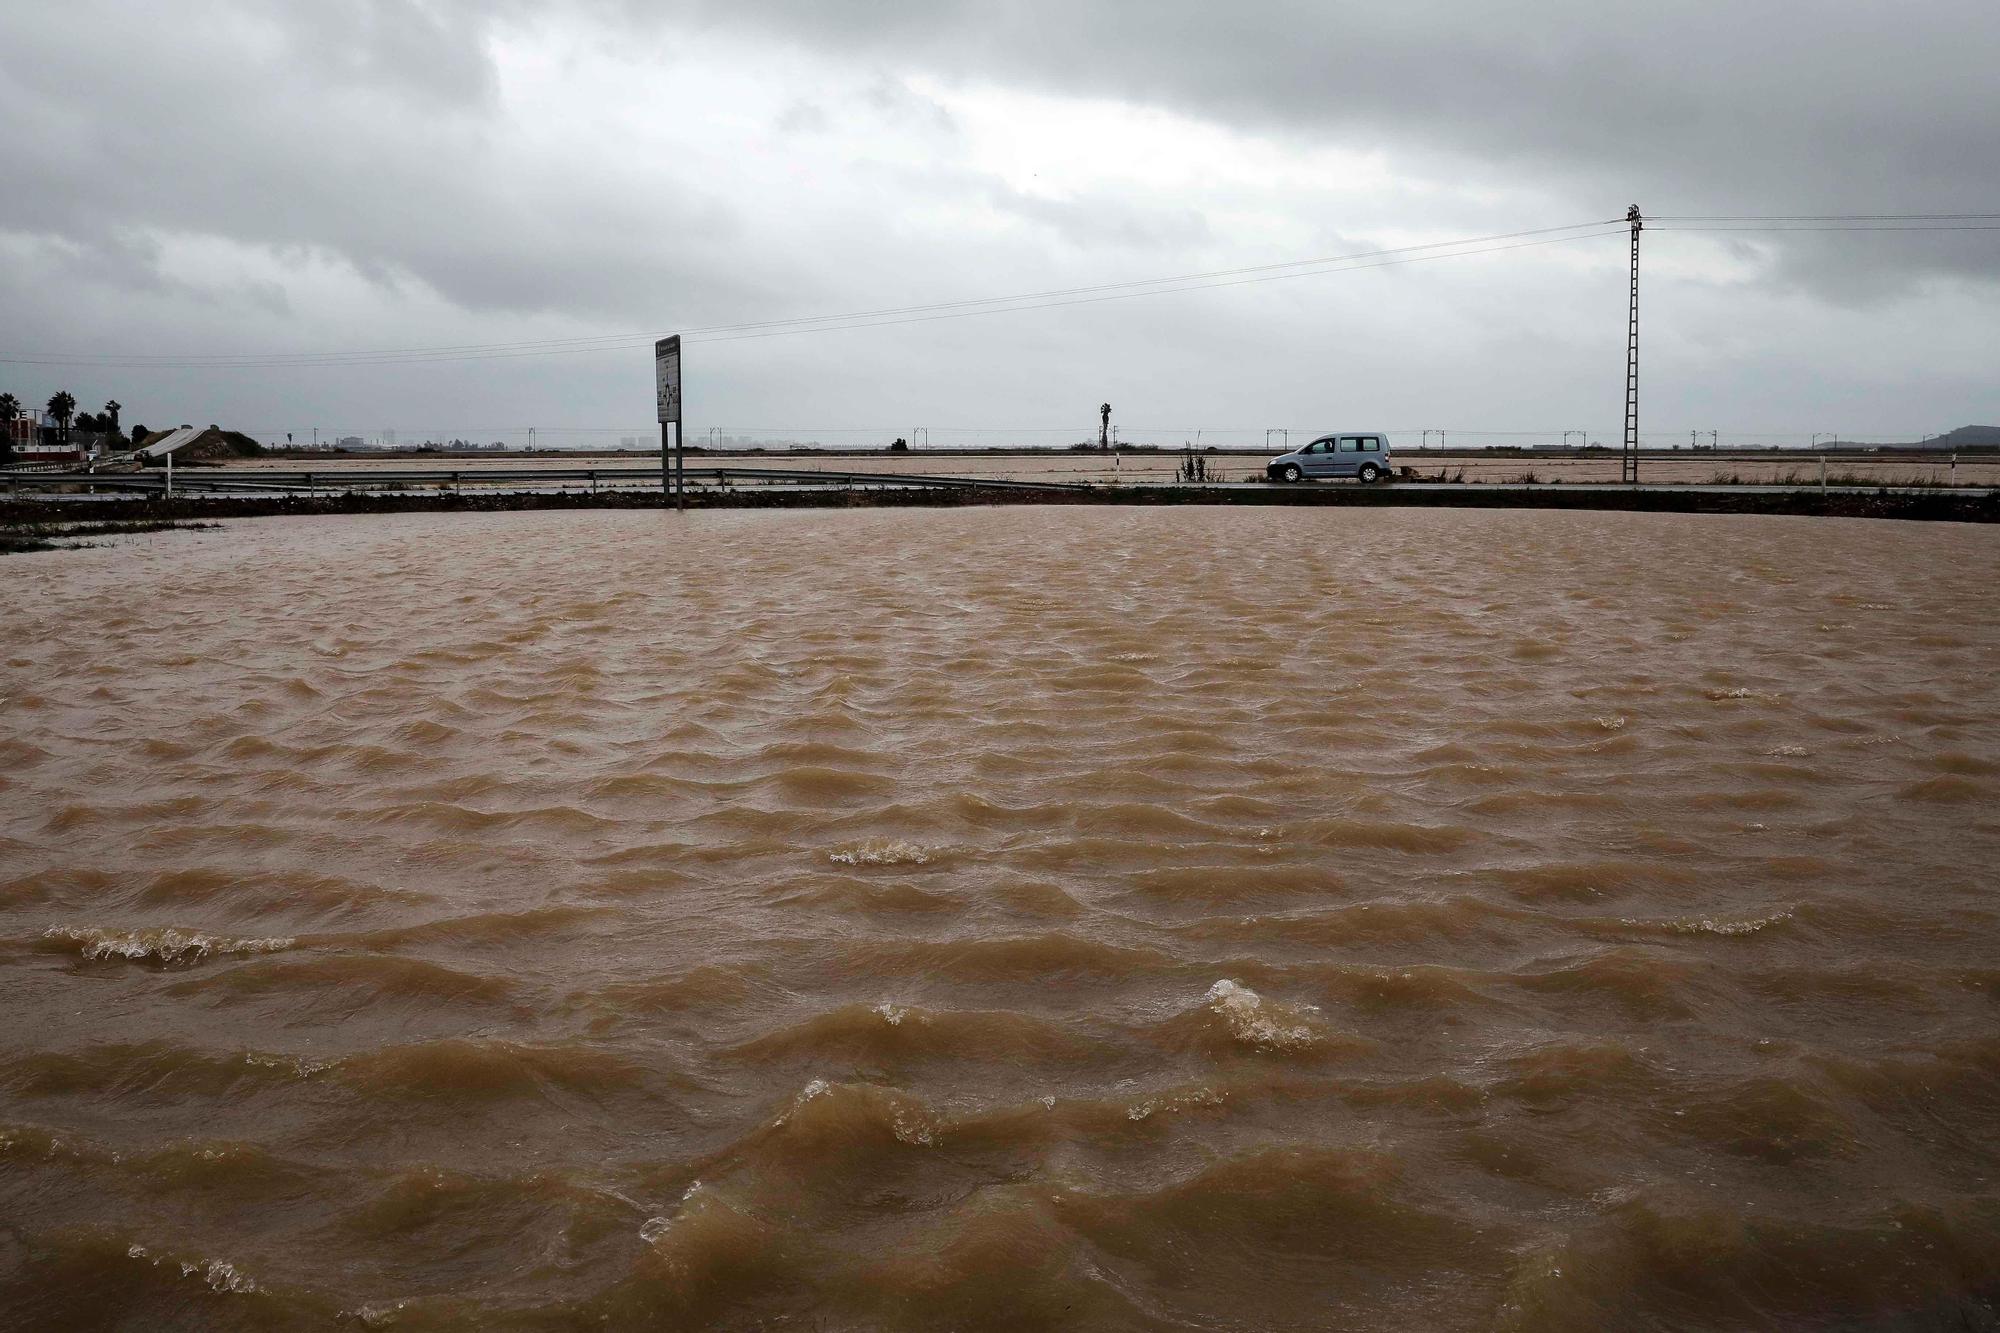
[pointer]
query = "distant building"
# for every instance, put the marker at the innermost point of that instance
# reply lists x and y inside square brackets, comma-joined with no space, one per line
[388,439]
[350,442]
[25,429]
[34,438]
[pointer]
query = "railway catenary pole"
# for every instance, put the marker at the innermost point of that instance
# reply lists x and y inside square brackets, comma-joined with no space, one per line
[1629,461]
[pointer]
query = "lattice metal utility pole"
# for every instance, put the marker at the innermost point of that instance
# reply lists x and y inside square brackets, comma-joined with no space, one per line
[1630,458]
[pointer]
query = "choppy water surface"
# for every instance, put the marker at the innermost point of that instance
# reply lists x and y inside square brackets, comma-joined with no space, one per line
[1006,918]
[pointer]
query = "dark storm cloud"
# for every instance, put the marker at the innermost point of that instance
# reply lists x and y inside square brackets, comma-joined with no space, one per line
[366,173]
[364,134]
[368,130]
[1692,106]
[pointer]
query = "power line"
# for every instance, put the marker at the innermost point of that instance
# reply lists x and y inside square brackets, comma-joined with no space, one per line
[1823,217]
[859,319]
[1205,286]
[1041,300]
[1807,226]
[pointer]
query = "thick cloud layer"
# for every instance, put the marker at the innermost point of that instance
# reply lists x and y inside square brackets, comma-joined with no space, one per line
[387,173]
[1701,106]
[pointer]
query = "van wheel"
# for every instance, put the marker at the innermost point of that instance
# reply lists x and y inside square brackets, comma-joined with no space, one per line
[1370,473]
[1293,473]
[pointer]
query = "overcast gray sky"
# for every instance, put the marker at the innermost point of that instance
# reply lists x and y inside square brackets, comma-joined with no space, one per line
[248,178]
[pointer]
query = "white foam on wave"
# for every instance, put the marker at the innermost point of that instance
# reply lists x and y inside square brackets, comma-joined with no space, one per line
[912,1128]
[165,944]
[653,1228]
[1708,925]
[881,852]
[218,1275]
[911,1124]
[1260,1022]
[296,1065]
[1181,1101]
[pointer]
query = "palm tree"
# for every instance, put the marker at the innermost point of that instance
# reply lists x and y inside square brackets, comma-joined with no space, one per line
[10,407]
[111,411]
[63,407]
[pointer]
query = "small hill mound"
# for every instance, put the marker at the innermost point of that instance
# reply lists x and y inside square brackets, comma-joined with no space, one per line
[188,445]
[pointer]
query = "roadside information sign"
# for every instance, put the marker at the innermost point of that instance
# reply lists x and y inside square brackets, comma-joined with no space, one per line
[667,390]
[667,378]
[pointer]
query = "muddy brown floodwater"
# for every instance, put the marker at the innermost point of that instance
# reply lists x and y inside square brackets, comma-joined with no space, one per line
[1011,918]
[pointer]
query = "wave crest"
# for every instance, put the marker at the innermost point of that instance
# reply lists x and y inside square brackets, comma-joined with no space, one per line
[881,852]
[166,946]
[1256,1021]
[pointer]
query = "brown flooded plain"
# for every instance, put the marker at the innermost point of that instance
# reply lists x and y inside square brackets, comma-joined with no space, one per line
[1159,468]
[1011,918]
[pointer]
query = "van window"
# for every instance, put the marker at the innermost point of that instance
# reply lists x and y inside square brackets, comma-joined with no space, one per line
[1320,447]
[1350,444]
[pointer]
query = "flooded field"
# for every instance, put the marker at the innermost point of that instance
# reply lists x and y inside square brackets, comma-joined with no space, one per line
[1003,918]
[1158,469]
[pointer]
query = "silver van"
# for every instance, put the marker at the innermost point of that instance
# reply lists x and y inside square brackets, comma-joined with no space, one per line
[1363,454]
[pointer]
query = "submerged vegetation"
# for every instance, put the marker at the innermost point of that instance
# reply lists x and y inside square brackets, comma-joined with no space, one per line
[16,538]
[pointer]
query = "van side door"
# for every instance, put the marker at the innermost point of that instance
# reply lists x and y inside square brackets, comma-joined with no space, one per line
[1318,458]
[1349,456]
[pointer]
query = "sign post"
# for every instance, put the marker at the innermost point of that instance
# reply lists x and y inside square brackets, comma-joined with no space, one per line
[667,389]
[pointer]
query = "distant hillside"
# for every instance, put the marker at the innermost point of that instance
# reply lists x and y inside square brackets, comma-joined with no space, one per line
[1965,437]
